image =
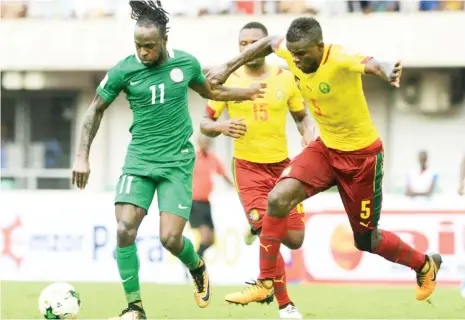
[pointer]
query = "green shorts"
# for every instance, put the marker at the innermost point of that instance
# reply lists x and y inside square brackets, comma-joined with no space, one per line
[171,180]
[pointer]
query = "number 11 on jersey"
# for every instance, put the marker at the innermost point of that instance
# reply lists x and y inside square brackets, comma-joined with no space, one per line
[161,87]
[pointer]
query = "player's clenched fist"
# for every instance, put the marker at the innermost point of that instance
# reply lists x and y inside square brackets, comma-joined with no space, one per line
[234,128]
[81,172]
[217,75]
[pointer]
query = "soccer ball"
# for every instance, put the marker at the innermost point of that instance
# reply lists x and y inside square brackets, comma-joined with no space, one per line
[59,301]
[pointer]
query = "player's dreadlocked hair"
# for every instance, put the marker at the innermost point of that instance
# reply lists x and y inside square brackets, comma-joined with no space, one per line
[148,13]
[256,25]
[304,28]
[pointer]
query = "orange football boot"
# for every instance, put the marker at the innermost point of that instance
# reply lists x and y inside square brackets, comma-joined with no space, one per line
[261,291]
[426,280]
[202,288]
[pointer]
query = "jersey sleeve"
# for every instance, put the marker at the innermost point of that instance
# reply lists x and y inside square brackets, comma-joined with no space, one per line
[110,87]
[215,109]
[295,101]
[197,75]
[353,61]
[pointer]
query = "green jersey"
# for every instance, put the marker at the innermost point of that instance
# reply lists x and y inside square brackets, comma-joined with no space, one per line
[161,126]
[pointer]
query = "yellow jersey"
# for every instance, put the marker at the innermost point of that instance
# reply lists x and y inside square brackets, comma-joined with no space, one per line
[335,97]
[265,140]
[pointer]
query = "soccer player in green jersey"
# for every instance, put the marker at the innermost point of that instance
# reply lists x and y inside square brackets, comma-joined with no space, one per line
[160,156]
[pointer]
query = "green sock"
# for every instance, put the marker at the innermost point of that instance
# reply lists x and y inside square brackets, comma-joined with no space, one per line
[128,266]
[188,256]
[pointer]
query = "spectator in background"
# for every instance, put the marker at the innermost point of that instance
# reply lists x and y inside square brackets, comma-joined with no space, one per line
[462,177]
[297,7]
[452,5]
[4,136]
[5,182]
[13,9]
[409,6]
[383,6]
[198,8]
[325,7]
[373,6]
[206,166]
[330,7]
[430,5]
[359,6]
[94,8]
[421,182]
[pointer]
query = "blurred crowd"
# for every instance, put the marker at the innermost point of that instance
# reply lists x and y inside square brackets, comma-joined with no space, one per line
[83,9]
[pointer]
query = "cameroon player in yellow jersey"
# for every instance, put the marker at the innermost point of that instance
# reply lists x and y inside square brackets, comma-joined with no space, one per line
[260,147]
[348,154]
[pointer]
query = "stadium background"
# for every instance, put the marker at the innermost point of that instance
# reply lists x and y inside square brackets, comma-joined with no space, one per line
[53,55]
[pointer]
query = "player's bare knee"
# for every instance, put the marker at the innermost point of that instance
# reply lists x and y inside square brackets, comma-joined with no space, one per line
[171,241]
[128,220]
[207,236]
[293,245]
[294,239]
[210,240]
[279,204]
[126,233]
[207,239]
[298,242]
[362,241]
[376,238]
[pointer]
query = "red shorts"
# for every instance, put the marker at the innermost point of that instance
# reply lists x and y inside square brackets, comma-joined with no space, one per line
[253,183]
[357,174]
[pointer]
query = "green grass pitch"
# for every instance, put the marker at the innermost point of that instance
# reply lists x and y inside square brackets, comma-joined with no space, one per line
[105,300]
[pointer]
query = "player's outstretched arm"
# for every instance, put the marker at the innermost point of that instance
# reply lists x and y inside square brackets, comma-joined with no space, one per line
[90,125]
[234,128]
[259,49]
[209,127]
[390,72]
[222,93]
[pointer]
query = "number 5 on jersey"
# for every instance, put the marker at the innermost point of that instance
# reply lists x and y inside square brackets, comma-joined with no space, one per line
[161,89]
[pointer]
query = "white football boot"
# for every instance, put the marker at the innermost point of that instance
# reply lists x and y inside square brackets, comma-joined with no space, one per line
[290,312]
[249,237]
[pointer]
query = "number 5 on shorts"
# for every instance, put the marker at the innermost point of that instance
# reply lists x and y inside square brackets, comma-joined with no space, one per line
[365,214]
[125,184]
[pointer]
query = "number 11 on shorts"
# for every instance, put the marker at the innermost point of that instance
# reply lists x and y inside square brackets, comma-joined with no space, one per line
[125,184]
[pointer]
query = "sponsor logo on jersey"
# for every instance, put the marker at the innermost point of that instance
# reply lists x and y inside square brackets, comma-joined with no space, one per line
[324,87]
[177,75]
[134,83]
[280,95]
[253,215]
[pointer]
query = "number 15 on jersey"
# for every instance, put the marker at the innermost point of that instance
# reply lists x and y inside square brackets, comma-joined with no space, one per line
[161,89]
